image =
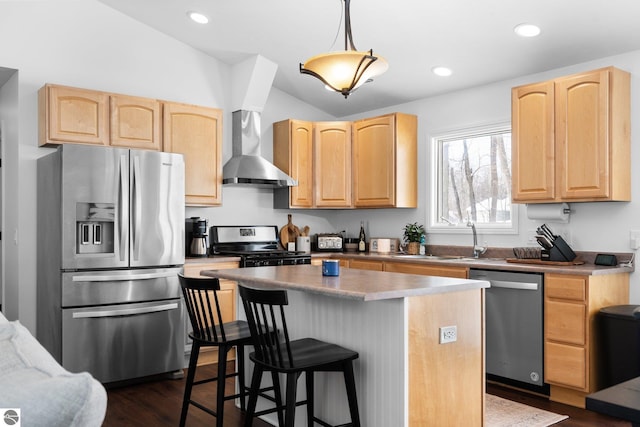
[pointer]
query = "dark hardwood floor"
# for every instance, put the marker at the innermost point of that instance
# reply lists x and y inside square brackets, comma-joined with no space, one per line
[158,403]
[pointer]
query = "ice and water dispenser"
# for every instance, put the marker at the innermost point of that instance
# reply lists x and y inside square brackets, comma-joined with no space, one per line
[95,228]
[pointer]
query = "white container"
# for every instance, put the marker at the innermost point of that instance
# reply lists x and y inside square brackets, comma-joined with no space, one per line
[303,244]
[383,245]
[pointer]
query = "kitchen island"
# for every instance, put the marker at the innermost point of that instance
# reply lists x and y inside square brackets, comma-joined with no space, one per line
[404,376]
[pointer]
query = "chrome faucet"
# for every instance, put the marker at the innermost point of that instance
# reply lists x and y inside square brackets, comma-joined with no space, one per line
[477,250]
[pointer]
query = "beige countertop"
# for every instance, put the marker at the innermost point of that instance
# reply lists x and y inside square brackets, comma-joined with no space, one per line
[351,283]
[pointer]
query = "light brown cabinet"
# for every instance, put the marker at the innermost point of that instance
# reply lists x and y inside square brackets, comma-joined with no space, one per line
[318,156]
[332,164]
[363,264]
[571,139]
[227,299]
[68,114]
[571,344]
[135,122]
[293,154]
[427,270]
[196,132]
[385,162]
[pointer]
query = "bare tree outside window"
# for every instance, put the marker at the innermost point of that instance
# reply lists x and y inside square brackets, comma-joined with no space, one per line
[473,178]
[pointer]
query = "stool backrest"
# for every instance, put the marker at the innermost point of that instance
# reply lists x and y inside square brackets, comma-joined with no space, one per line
[201,298]
[265,315]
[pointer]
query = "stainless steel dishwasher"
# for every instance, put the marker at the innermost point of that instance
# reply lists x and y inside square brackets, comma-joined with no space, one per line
[514,327]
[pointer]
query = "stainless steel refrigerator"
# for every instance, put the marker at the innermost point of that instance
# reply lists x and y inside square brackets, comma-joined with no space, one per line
[110,244]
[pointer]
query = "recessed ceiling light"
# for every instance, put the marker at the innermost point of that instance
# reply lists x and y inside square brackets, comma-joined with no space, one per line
[527,30]
[442,71]
[198,17]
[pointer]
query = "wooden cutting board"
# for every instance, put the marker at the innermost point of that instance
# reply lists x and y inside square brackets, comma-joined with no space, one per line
[541,262]
[288,233]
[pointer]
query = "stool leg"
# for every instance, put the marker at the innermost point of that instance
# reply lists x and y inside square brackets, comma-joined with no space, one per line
[310,406]
[253,395]
[350,384]
[241,387]
[191,373]
[222,374]
[277,394]
[290,412]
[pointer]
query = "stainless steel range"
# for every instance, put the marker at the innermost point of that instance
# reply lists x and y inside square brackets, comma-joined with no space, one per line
[256,245]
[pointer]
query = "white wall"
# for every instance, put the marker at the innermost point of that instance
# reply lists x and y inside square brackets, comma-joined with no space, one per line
[84,43]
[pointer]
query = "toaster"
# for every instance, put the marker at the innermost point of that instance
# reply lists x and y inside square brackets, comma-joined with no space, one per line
[328,242]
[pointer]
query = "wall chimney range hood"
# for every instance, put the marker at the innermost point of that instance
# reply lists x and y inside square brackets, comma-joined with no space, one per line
[247,166]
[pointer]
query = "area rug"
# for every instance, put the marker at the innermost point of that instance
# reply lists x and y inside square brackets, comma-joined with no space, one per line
[506,413]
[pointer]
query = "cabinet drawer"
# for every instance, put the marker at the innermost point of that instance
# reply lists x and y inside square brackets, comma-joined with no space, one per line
[365,265]
[427,270]
[565,365]
[566,287]
[565,322]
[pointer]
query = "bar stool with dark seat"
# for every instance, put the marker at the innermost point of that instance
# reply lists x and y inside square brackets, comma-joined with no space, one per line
[265,311]
[201,300]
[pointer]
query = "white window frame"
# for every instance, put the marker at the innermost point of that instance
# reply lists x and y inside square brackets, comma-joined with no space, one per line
[434,196]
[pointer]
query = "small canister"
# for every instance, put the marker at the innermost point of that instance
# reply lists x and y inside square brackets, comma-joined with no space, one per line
[330,267]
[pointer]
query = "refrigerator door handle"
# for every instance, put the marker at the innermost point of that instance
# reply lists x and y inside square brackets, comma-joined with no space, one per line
[136,209]
[124,311]
[122,277]
[123,204]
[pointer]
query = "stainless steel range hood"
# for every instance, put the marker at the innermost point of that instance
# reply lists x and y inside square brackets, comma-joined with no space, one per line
[247,166]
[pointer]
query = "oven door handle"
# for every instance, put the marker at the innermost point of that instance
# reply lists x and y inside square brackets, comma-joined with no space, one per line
[124,311]
[523,286]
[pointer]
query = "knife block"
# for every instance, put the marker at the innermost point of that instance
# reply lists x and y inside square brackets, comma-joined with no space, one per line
[560,251]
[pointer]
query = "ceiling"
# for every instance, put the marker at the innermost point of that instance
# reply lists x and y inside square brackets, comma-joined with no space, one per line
[473,38]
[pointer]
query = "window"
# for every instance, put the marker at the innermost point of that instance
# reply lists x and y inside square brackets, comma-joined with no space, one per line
[471,180]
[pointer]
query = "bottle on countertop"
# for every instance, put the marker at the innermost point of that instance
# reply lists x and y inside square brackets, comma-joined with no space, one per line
[423,245]
[362,239]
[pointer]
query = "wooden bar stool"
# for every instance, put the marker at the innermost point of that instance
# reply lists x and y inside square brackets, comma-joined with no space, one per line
[201,300]
[278,354]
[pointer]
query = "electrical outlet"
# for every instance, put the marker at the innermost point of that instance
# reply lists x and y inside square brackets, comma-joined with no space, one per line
[448,334]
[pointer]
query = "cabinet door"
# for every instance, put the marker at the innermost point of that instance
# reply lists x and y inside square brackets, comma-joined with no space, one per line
[533,149]
[374,162]
[69,114]
[196,132]
[135,122]
[426,270]
[566,365]
[332,164]
[293,153]
[582,135]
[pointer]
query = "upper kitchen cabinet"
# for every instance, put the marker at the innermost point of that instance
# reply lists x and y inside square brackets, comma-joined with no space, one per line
[385,162]
[571,139]
[69,114]
[293,154]
[196,132]
[135,122]
[332,164]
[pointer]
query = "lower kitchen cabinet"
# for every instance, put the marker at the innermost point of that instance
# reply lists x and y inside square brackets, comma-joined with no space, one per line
[227,300]
[572,350]
[365,264]
[427,270]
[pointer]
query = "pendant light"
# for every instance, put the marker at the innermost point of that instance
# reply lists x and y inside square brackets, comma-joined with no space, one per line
[345,71]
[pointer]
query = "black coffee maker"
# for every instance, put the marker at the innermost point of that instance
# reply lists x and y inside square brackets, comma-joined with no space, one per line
[197,237]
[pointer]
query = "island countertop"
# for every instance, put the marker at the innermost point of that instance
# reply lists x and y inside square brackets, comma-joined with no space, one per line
[356,284]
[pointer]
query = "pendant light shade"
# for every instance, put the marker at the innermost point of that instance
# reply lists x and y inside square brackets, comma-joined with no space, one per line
[345,71]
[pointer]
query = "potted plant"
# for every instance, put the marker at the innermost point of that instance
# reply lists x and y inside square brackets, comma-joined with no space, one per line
[412,235]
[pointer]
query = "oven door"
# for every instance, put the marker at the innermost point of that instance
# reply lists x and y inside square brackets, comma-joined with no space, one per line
[124,341]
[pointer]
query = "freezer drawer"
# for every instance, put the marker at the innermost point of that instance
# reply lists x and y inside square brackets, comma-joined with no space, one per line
[89,288]
[124,341]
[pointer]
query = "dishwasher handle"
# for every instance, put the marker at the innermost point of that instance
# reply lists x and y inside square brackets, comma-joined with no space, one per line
[523,286]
